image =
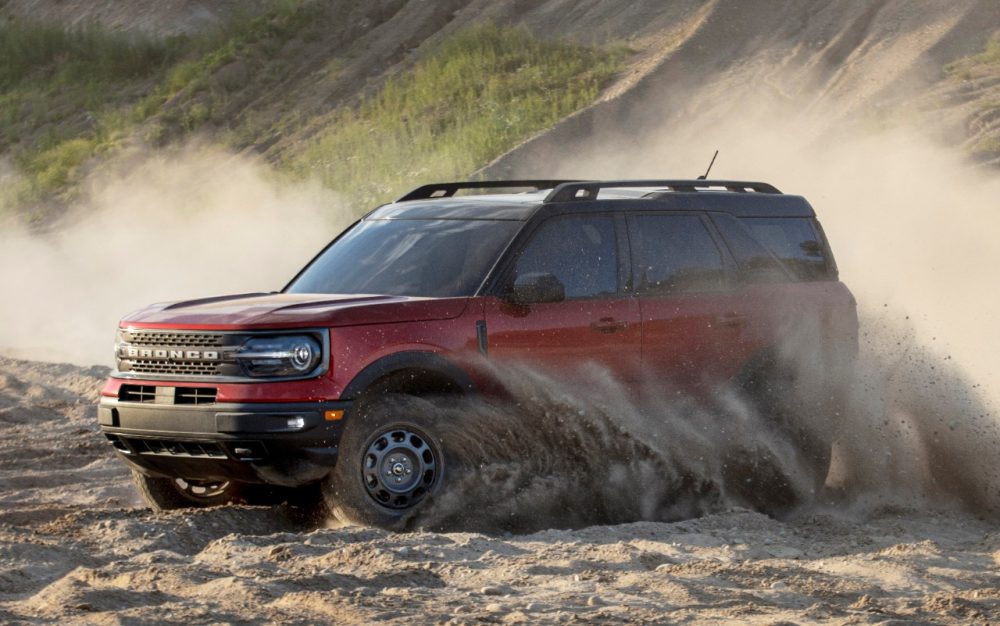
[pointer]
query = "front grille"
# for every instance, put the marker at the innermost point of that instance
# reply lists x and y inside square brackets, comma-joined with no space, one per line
[185,340]
[195,368]
[161,353]
[167,447]
[137,393]
[152,394]
[195,395]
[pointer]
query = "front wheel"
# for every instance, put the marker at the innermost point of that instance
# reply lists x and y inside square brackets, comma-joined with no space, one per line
[391,462]
[166,494]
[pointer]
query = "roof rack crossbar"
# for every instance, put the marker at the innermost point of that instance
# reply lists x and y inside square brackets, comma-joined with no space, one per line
[588,190]
[447,190]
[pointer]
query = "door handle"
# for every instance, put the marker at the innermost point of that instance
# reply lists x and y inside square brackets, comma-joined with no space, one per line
[731,319]
[608,325]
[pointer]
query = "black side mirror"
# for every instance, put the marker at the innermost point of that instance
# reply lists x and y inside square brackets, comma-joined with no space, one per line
[538,287]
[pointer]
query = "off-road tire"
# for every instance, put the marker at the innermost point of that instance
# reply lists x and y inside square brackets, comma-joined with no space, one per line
[410,427]
[166,494]
[755,471]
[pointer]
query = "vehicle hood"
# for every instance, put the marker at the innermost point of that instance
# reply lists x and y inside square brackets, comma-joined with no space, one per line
[298,310]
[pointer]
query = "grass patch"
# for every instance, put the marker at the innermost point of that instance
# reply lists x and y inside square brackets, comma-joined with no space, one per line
[969,67]
[69,98]
[57,88]
[478,95]
[71,94]
[987,147]
[246,40]
[88,54]
[984,69]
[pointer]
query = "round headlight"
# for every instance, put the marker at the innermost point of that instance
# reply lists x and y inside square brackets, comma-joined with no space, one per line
[303,354]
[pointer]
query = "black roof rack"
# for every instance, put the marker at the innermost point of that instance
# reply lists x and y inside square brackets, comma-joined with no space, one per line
[588,190]
[447,190]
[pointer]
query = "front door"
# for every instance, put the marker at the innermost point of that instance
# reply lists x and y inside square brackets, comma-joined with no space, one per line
[595,323]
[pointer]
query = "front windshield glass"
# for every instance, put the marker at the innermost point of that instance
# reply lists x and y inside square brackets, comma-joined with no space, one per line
[406,257]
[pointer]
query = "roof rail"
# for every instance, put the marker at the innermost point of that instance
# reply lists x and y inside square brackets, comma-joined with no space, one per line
[447,190]
[588,190]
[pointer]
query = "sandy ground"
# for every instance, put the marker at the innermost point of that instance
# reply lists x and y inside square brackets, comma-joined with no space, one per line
[75,547]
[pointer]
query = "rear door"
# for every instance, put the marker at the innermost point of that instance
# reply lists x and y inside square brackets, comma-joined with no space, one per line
[596,323]
[695,324]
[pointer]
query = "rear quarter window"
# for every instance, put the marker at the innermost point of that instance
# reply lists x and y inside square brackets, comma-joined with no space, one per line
[797,243]
[755,263]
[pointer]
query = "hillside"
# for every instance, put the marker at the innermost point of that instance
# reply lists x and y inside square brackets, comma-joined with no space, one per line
[152,151]
[871,65]
[279,79]
[299,83]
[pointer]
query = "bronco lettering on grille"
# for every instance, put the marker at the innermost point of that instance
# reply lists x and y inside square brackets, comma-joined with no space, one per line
[161,353]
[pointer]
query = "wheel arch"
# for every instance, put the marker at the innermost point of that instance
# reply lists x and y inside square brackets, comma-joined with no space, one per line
[414,372]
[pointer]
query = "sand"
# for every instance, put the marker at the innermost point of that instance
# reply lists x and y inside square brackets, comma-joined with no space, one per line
[76,546]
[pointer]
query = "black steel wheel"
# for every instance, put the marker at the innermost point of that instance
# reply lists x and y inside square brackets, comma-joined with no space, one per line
[400,467]
[391,461]
[165,494]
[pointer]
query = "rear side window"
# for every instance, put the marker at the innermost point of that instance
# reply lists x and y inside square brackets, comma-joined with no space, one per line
[674,254]
[796,242]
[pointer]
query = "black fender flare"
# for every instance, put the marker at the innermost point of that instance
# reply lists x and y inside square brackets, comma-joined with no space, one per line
[408,360]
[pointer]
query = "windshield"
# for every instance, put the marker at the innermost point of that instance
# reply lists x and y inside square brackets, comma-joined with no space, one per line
[404,257]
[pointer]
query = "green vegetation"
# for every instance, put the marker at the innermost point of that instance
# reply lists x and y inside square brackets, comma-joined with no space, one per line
[475,97]
[57,89]
[71,98]
[70,95]
[975,65]
[199,92]
[87,55]
[983,125]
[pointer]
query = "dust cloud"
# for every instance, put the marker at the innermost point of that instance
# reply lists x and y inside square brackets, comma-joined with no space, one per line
[913,227]
[906,428]
[190,222]
[557,455]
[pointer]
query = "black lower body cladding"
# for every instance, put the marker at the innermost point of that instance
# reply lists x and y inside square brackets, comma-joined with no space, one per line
[287,444]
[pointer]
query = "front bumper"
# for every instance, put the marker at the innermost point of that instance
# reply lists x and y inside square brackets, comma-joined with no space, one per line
[249,442]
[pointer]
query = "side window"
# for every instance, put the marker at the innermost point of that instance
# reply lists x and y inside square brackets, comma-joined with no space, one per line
[674,254]
[795,242]
[756,264]
[580,251]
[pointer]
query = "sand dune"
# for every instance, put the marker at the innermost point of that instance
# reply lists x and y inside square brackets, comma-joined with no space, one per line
[76,548]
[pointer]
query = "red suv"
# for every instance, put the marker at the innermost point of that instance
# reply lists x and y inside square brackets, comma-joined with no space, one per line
[692,284]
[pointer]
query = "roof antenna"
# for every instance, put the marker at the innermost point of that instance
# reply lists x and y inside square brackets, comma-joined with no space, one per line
[705,175]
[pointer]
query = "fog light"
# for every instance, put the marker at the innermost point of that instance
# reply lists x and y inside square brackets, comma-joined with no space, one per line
[296,423]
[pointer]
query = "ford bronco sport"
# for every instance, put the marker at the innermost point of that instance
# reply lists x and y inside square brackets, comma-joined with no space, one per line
[691,283]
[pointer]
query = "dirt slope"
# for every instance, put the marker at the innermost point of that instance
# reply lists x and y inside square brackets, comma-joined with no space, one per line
[858,63]
[850,62]
[149,16]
